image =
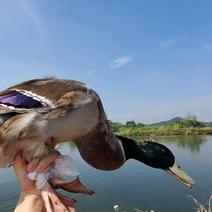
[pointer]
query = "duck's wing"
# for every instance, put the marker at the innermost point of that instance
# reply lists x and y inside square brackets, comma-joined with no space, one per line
[45,99]
[19,102]
[41,94]
[51,96]
[14,102]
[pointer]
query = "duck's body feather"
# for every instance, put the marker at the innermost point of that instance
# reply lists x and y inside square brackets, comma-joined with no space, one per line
[35,111]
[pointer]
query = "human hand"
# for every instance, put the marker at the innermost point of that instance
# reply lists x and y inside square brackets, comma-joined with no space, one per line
[29,194]
[22,168]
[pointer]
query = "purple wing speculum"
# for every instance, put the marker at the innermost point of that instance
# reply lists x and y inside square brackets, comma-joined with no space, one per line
[18,99]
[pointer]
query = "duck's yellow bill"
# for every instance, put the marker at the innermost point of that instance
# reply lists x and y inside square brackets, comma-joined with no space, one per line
[180,175]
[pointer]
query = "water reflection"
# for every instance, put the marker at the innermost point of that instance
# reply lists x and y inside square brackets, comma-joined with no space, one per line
[191,143]
[70,144]
[134,185]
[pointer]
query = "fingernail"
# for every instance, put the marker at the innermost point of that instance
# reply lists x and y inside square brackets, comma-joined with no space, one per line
[30,168]
[39,170]
[36,174]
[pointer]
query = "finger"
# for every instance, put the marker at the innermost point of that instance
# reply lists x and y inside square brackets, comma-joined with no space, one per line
[46,161]
[19,167]
[33,165]
[19,162]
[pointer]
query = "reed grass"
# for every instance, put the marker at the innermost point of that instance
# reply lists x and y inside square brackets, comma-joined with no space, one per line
[200,207]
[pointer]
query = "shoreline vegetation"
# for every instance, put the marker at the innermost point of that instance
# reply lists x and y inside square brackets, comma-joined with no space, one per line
[188,125]
[200,207]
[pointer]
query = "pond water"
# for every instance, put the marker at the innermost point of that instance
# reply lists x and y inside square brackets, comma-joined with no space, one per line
[134,185]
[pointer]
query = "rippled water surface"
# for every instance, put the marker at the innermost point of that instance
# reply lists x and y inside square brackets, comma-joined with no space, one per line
[135,185]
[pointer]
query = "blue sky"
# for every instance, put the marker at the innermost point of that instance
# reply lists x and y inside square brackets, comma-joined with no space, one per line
[148,60]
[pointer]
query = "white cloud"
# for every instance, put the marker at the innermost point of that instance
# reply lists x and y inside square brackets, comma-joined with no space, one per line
[200,106]
[121,61]
[167,43]
[32,12]
[209,47]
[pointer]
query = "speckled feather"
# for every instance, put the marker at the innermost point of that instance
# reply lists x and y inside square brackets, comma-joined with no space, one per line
[69,111]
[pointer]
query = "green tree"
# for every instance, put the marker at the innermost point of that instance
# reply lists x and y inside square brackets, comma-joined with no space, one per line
[130,124]
[116,126]
[191,121]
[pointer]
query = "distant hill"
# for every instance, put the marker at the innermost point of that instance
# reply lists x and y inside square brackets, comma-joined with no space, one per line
[168,122]
[171,122]
[207,124]
[178,120]
[175,126]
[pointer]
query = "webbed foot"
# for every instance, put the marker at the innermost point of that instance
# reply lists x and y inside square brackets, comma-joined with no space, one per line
[73,186]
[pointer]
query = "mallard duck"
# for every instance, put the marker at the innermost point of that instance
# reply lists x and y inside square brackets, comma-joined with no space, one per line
[50,111]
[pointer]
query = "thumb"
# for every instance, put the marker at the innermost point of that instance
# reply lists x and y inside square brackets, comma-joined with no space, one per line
[20,166]
[19,163]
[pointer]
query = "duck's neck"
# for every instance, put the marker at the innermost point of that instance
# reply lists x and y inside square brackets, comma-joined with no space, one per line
[101,149]
[132,150]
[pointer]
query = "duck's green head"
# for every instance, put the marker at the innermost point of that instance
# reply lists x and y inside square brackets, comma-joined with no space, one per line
[155,155]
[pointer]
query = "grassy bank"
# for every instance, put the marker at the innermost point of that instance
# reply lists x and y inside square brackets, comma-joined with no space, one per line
[161,131]
[175,126]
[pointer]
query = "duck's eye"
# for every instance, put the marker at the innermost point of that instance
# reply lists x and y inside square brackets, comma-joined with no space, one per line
[163,151]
